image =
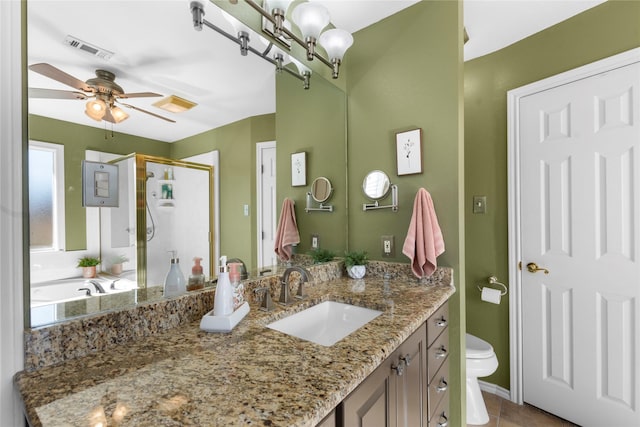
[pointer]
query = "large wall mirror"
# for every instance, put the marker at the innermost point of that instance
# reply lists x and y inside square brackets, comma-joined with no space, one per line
[132,43]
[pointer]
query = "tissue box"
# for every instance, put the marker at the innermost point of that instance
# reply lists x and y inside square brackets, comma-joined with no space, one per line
[211,323]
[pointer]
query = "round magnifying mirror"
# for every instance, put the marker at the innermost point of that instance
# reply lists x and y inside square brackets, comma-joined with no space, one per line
[376,185]
[321,189]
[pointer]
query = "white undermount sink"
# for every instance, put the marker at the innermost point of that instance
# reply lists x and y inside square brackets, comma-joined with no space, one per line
[325,323]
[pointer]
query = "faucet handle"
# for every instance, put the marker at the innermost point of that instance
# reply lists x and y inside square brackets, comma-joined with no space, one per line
[301,293]
[267,302]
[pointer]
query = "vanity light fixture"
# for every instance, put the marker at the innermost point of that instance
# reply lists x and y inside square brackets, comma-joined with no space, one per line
[311,19]
[271,54]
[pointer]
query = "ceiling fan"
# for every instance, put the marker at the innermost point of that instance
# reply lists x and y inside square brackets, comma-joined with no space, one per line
[102,91]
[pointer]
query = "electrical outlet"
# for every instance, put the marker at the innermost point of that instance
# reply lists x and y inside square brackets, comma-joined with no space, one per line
[388,247]
[246,210]
[315,241]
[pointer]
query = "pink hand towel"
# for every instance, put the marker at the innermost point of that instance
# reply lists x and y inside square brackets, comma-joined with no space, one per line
[287,232]
[424,240]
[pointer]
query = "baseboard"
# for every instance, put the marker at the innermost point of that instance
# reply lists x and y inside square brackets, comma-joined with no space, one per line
[495,389]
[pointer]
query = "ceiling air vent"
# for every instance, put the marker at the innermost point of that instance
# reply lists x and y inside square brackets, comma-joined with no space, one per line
[89,48]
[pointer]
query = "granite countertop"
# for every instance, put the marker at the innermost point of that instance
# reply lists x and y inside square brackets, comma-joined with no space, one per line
[251,376]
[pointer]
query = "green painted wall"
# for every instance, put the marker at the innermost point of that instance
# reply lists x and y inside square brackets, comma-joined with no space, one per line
[236,143]
[313,121]
[76,139]
[406,72]
[600,32]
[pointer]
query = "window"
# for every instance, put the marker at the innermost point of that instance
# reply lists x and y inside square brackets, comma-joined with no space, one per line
[46,196]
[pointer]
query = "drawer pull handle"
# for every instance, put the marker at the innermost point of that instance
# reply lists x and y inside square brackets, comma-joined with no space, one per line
[441,352]
[444,423]
[441,322]
[442,386]
[406,359]
[399,368]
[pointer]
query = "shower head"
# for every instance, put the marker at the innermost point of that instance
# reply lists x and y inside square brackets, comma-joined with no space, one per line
[150,174]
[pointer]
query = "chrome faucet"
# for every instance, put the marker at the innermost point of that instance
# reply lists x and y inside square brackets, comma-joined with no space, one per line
[98,286]
[285,296]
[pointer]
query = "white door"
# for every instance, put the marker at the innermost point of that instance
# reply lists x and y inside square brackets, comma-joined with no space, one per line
[580,211]
[266,202]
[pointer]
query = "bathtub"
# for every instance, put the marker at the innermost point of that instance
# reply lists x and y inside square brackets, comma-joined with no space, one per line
[61,299]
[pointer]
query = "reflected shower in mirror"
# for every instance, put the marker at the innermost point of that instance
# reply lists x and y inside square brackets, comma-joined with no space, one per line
[321,191]
[376,186]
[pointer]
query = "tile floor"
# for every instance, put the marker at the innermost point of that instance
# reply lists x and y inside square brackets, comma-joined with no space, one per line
[504,413]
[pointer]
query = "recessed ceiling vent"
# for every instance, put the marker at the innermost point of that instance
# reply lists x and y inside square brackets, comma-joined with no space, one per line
[89,48]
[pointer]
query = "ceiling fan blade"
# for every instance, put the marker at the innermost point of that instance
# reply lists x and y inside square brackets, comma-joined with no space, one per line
[55,94]
[147,112]
[59,75]
[138,95]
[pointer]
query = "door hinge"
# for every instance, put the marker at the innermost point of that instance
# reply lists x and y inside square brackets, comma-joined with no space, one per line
[261,169]
[520,265]
[263,235]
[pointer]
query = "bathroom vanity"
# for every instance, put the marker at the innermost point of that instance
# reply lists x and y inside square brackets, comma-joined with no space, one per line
[256,375]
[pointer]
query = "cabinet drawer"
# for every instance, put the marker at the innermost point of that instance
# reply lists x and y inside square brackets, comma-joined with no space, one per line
[437,354]
[437,323]
[441,416]
[438,388]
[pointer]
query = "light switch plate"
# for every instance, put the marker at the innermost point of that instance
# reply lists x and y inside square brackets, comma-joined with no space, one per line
[315,241]
[479,204]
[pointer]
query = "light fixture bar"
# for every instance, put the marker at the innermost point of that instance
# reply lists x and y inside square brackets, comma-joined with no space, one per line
[197,11]
[288,32]
[251,49]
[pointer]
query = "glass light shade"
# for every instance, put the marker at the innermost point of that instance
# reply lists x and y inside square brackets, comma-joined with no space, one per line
[96,109]
[285,56]
[237,25]
[336,42]
[301,67]
[118,114]
[278,4]
[311,18]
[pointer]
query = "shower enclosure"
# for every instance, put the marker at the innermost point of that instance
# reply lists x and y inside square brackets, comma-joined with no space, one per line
[166,207]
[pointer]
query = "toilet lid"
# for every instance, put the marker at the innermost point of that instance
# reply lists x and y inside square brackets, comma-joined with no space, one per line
[478,348]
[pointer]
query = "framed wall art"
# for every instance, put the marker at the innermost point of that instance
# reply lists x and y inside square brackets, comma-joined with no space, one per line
[299,169]
[409,152]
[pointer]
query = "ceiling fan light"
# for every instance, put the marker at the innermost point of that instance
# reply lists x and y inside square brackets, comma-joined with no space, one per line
[311,18]
[336,42]
[96,109]
[118,114]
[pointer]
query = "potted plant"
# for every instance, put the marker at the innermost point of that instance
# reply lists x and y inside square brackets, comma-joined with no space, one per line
[322,255]
[355,263]
[116,264]
[88,265]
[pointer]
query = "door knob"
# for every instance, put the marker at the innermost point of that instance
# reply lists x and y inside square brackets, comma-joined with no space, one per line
[533,268]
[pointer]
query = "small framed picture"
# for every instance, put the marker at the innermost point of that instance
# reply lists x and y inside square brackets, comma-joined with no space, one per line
[409,152]
[299,169]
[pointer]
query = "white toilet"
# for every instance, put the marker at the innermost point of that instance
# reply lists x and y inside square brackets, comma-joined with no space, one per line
[481,362]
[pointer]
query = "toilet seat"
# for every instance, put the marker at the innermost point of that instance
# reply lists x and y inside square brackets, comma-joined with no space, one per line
[478,348]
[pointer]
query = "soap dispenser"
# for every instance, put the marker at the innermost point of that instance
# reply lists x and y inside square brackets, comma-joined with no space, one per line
[223,302]
[196,280]
[174,283]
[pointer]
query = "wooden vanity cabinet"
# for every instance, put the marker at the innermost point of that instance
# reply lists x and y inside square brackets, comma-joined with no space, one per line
[410,388]
[395,393]
[438,368]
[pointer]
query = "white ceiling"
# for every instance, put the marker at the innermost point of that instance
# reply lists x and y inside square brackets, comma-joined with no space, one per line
[156,49]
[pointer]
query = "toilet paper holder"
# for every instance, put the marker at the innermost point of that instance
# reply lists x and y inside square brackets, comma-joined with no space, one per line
[493,280]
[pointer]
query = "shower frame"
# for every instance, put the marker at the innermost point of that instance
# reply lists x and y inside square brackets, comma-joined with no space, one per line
[141,214]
